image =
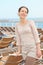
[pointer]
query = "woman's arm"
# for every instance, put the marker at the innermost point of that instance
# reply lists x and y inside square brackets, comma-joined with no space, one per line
[38,51]
[36,37]
[18,40]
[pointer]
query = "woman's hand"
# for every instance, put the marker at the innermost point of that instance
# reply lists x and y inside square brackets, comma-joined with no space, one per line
[17,53]
[38,53]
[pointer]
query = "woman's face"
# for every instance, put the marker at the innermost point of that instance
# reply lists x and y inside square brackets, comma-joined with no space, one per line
[23,13]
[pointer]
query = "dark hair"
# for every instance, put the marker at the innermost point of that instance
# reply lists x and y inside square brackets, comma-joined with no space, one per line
[23,7]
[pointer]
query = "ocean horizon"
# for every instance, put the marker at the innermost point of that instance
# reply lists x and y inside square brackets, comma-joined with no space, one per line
[12,22]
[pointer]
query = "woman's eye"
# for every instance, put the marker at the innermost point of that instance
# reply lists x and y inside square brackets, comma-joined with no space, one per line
[24,11]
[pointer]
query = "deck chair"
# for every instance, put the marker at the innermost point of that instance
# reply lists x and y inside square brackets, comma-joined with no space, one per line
[14,60]
[41,39]
[33,61]
[39,30]
[4,42]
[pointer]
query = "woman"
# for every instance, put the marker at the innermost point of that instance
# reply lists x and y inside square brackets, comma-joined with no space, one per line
[27,36]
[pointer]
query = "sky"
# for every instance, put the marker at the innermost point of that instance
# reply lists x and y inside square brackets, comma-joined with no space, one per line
[9,8]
